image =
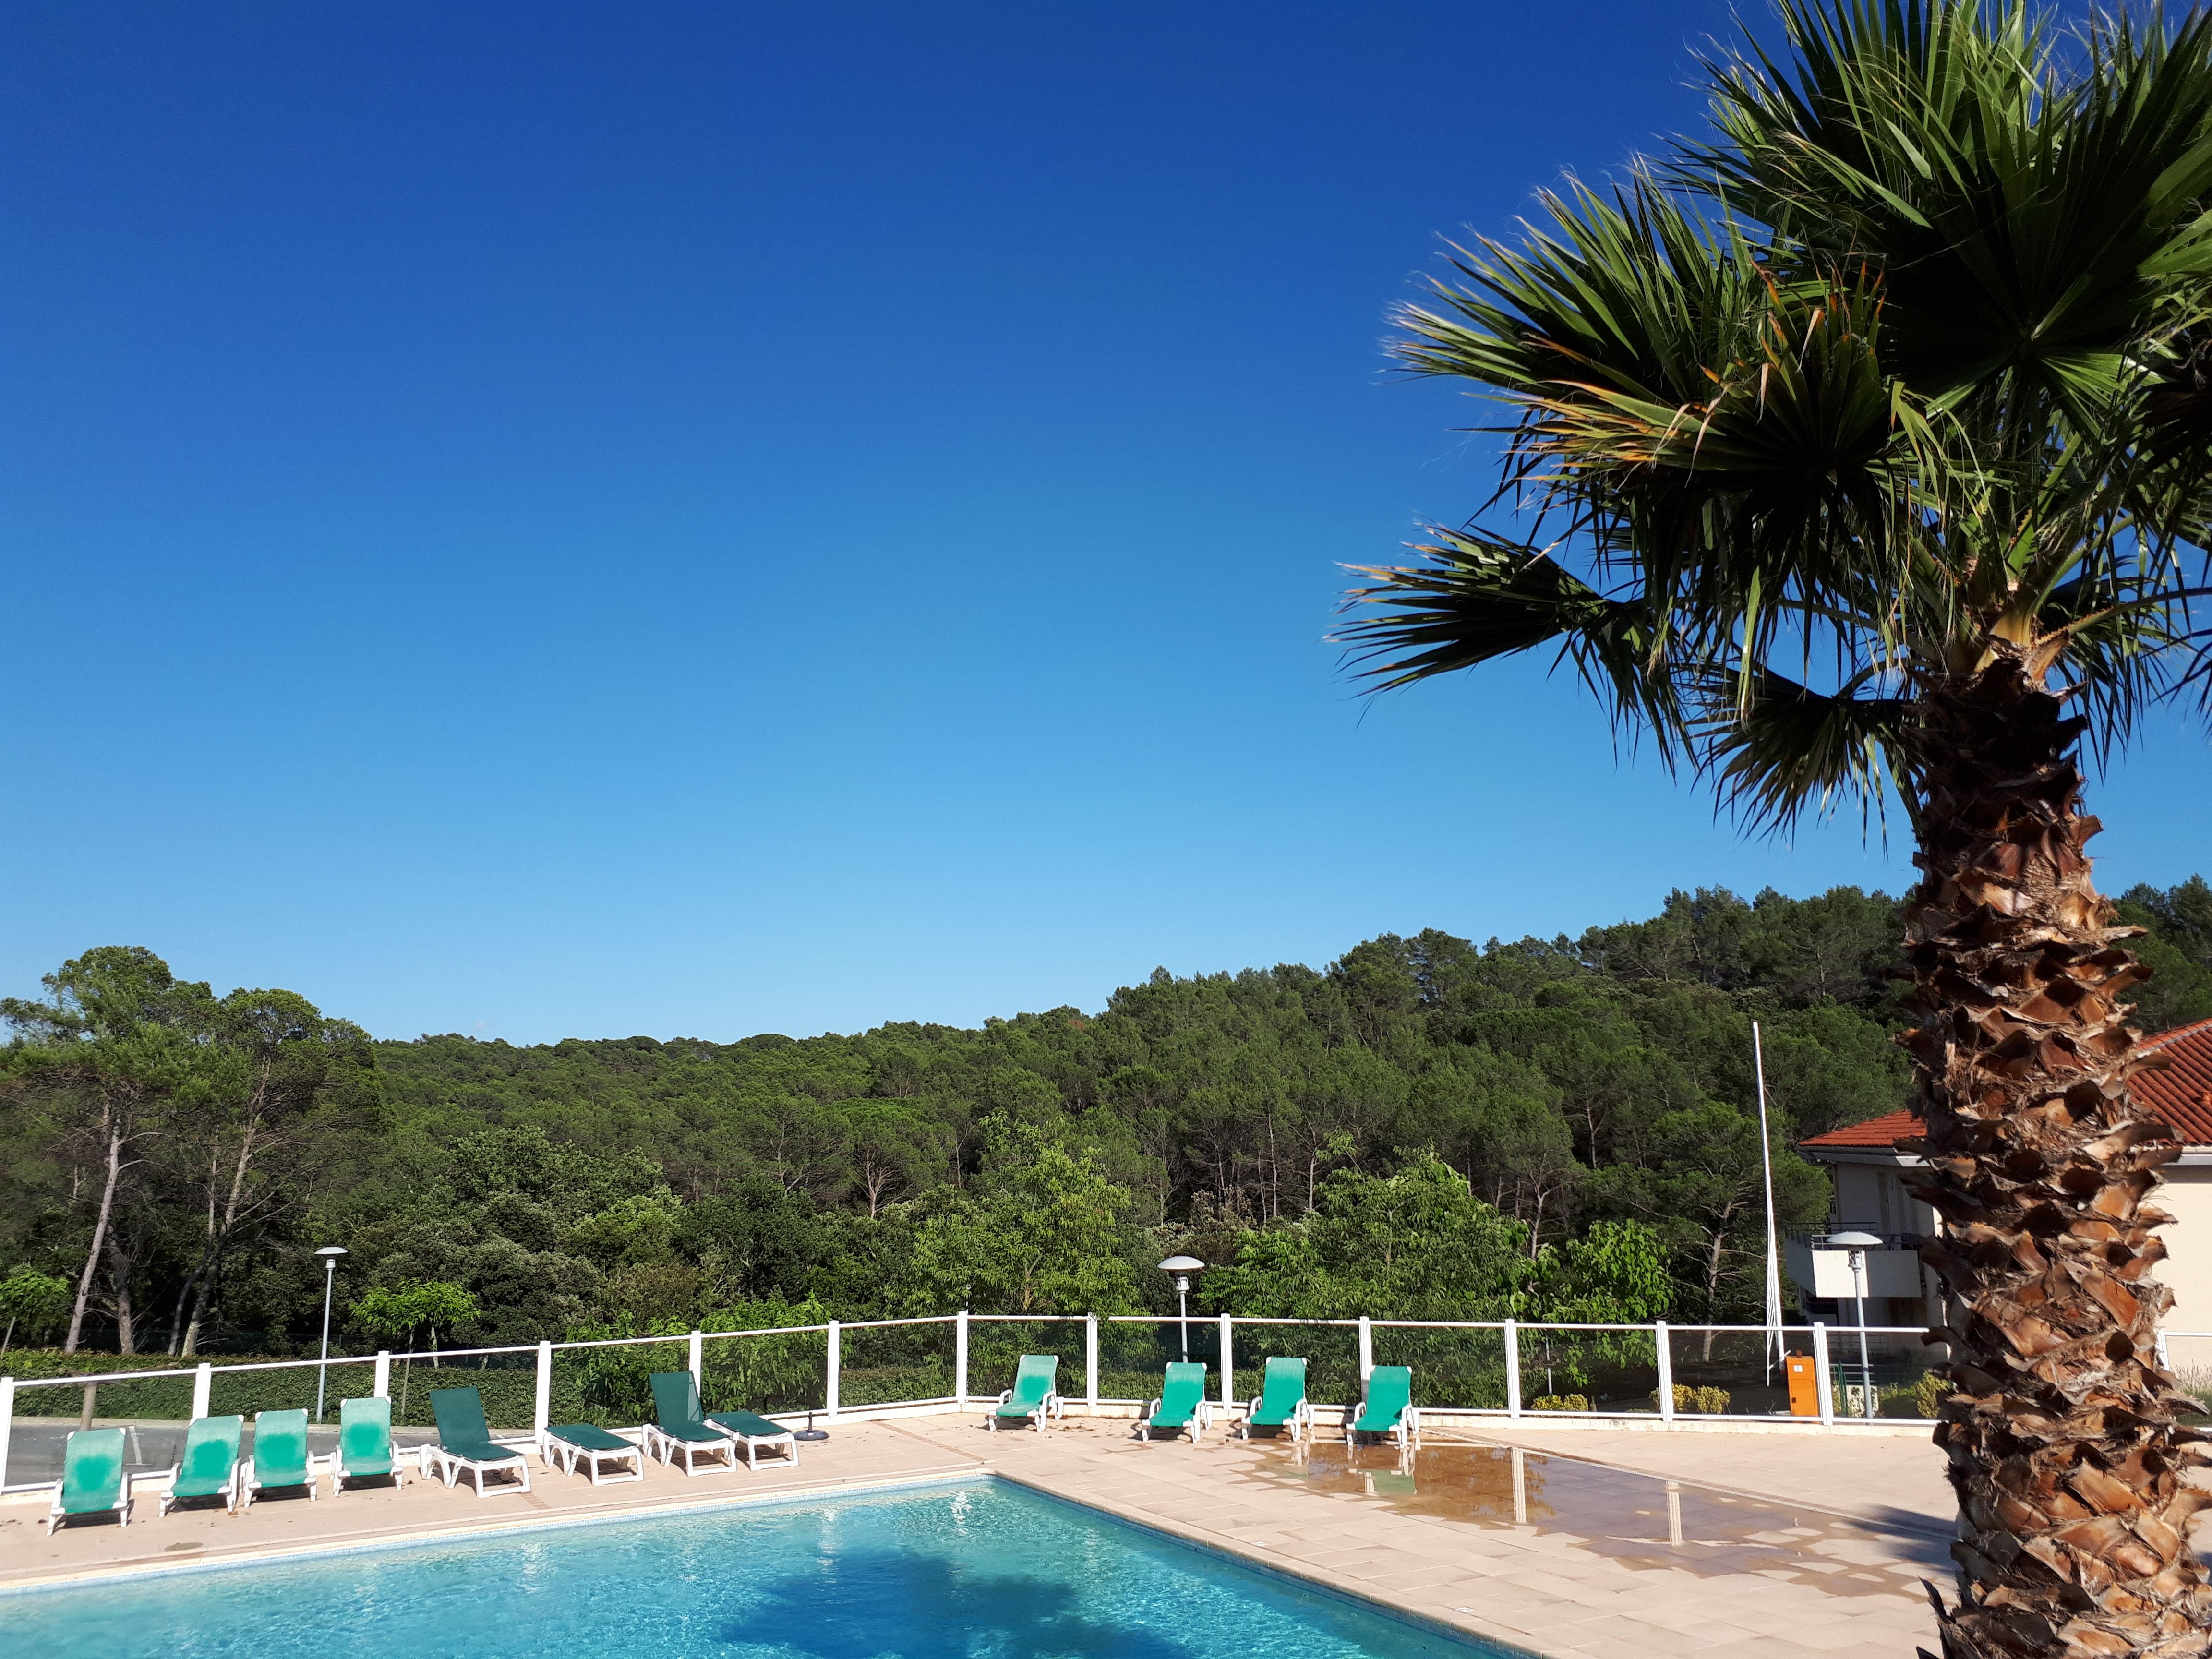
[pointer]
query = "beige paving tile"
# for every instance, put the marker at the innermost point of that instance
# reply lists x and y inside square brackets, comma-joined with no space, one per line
[1571,1582]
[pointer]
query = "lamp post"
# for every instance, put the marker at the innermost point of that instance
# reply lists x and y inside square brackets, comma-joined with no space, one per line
[1858,1244]
[1183,1266]
[330,1254]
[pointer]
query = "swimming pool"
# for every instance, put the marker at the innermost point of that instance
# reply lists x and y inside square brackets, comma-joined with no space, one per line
[986,1571]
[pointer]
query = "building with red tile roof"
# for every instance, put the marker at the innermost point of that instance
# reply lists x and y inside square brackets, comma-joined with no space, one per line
[1869,1173]
[2181,1092]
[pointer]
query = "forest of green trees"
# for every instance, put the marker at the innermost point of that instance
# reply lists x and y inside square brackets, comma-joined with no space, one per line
[1423,1128]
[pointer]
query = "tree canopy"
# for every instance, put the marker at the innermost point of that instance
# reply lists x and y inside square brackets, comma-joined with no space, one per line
[1424,1126]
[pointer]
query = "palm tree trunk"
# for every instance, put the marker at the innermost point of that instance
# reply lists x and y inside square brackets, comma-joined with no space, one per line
[2061,1430]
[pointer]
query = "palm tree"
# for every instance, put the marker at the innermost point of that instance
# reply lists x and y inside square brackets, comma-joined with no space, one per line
[1864,447]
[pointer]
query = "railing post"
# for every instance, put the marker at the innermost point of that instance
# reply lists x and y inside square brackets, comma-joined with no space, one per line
[835,1345]
[1091,1362]
[960,1356]
[2158,1347]
[1666,1374]
[1366,1350]
[1228,1368]
[1820,1375]
[383,1389]
[699,1362]
[7,1422]
[544,1412]
[1512,1368]
[203,1388]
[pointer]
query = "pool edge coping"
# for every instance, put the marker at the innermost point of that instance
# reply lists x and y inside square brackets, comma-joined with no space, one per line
[1245,1555]
[470,1531]
[248,1555]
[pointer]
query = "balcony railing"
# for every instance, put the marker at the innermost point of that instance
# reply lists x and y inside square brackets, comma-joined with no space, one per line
[1817,1237]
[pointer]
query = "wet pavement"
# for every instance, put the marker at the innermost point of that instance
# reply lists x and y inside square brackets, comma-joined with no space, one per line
[1641,1521]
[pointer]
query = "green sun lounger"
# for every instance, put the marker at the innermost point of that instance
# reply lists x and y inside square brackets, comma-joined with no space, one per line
[465,1443]
[1035,1397]
[1282,1403]
[565,1445]
[208,1467]
[1182,1407]
[93,1481]
[755,1432]
[1388,1408]
[681,1427]
[280,1460]
[365,1444]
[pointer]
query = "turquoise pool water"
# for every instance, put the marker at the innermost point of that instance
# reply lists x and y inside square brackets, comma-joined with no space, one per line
[979,1571]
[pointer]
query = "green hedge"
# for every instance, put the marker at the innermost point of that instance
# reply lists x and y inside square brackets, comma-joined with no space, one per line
[510,1392]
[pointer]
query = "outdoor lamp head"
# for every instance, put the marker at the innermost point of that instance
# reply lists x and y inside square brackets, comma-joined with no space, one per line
[331,1250]
[1857,1244]
[1183,1266]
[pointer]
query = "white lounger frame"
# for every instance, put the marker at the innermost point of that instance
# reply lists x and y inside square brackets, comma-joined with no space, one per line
[1300,1426]
[249,1488]
[665,1446]
[1202,1419]
[121,1508]
[565,1455]
[1405,1432]
[788,1440]
[1051,1405]
[448,1466]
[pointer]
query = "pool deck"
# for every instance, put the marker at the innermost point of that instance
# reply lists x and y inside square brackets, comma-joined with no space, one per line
[1574,1544]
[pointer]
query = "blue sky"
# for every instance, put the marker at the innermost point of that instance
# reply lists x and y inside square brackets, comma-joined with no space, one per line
[540,520]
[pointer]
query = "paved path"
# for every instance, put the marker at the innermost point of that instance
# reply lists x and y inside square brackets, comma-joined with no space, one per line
[1890,1480]
[1576,1543]
[1573,1558]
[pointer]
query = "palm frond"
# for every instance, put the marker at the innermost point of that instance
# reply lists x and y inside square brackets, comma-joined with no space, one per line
[1788,750]
[1911,363]
[2024,219]
[1478,598]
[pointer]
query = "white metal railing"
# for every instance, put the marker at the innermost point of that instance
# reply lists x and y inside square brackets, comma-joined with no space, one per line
[1843,1381]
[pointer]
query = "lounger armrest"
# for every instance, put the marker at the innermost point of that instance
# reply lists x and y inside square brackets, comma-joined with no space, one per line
[1005,1396]
[1054,1404]
[1412,1419]
[1151,1408]
[1252,1407]
[1205,1414]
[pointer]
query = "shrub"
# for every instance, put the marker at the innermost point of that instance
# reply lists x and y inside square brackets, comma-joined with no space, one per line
[1560,1402]
[1930,1393]
[1689,1399]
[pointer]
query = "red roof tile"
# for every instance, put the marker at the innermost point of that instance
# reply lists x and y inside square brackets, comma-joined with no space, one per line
[1874,1131]
[2181,1093]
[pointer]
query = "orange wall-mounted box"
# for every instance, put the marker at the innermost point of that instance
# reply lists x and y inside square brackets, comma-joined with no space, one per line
[1804,1385]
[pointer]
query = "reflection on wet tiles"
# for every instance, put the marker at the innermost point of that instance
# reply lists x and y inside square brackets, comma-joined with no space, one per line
[1640,1520]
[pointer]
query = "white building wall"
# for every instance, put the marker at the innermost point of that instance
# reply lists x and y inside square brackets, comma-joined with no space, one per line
[2187,1269]
[1873,1196]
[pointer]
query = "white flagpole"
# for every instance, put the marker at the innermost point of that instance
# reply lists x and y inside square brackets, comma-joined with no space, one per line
[1766,1167]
